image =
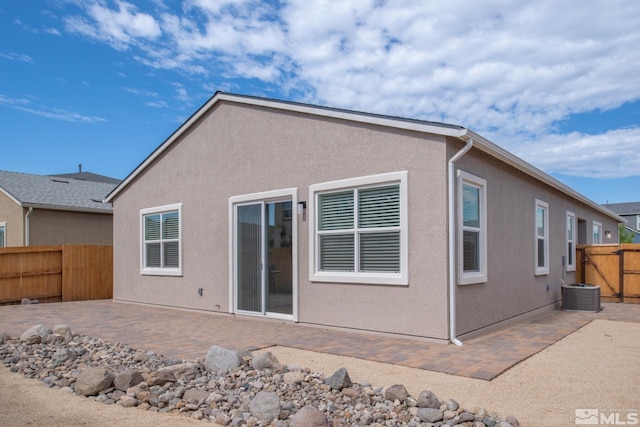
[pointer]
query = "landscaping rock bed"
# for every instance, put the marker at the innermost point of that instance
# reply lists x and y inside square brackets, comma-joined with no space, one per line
[226,387]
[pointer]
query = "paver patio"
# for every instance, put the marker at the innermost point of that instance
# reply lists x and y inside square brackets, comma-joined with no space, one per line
[188,334]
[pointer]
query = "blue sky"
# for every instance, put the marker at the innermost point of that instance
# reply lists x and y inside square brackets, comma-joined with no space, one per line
[103,82]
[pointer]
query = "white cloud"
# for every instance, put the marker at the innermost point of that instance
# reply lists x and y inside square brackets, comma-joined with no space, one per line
[120,28]
[608,155]
[23,104]
[141,92]
[181,93]
[508,70]
[467,58]
[16,57]
[62,114]
[157,104]
[13,101]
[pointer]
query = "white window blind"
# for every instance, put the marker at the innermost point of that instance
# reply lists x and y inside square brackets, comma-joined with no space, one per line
[360,226]
[350,245]
[337,252]
[335,211]
[161,240]
[380,252]
[379,208]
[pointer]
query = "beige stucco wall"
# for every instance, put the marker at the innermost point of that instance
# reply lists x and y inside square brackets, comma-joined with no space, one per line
[51,227]
[11,213]
[512,288]
[237,150]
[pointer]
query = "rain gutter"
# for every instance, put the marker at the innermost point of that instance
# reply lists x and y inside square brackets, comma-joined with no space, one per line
[452,239]
[26,226]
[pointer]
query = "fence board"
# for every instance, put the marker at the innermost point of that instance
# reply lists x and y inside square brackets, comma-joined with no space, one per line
[87,272]
[631,272]
[56,273]
[615,268]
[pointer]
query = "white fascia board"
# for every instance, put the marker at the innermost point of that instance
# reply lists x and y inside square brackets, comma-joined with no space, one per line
[288,106]
[9,195]
[352,116]
[67,208]
[632,229]
[166,144]
[426,127]
[512,160]
[56,207]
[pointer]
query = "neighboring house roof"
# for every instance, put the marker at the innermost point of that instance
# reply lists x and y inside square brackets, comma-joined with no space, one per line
[633,230]
[54,192]
[443,129]
[630,208]
[88,176]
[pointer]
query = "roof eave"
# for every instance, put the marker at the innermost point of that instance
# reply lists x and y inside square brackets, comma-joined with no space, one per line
[632,229]
[512,160]
[68,208]
[9,195]
[426,127]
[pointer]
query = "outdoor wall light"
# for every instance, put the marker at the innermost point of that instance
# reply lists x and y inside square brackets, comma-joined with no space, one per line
[301,207]
[607,234]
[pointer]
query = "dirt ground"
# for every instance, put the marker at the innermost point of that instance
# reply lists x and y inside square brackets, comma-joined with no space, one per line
[596,367]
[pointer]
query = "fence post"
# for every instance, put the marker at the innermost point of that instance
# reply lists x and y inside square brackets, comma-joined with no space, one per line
[621,265]
[583,260]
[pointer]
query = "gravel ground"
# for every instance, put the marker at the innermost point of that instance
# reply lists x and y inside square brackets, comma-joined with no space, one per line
[595,367]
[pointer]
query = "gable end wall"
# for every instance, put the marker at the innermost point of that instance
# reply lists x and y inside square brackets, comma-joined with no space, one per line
[238,149]
[11,213]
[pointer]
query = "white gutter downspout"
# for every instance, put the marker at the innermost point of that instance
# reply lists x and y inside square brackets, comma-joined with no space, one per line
[26,227]
[452,240]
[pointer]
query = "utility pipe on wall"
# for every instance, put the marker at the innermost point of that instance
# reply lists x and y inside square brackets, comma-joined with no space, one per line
[452,239]
[26,226]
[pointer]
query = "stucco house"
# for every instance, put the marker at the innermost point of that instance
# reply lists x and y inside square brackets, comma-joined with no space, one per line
[55,209]
[328,217]
[630,212]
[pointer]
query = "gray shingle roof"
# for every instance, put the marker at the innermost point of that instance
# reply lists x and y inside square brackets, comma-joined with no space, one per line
[88,176]
[629,208]
[56,192]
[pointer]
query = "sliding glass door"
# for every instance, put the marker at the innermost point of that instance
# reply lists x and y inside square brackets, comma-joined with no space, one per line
[263,258]
[249,257]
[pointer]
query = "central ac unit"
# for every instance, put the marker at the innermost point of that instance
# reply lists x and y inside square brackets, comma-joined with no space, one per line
[581,297]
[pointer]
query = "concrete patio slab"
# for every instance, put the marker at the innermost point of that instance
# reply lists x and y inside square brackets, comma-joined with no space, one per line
[188,334]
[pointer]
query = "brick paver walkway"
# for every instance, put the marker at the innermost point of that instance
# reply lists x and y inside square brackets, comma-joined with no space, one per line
[188,334]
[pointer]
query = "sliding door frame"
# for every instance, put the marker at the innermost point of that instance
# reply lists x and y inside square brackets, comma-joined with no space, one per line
[262,198]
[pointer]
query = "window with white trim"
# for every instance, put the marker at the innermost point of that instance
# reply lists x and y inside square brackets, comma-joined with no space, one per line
[570,256]
[359,232]
[3,234]
[597,233]
[541,238]
[161,240]
[472,229]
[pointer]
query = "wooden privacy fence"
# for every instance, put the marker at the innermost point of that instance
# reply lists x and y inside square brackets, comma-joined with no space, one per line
[56,273]
[615,268]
